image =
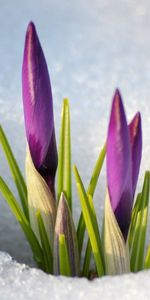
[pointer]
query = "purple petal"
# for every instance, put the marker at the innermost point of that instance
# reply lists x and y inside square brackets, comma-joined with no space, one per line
[37,100]
[49,166]
[136,147]
[119,164]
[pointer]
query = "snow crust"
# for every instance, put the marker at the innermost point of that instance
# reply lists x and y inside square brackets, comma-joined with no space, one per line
[17,281]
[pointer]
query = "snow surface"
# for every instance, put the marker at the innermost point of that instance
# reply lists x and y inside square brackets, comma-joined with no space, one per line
[19,282]
[92,47]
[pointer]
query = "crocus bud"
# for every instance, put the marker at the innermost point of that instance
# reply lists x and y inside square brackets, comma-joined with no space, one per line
[38,108]
[41,161]
[124,146]
[65,226]
[136,147]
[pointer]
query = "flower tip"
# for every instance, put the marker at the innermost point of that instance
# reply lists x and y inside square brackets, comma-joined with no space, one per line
[138,115]
[117,104]
[31,27]
[62,199]
[61,195]
[135,125]
[31,35]
[30,41]
[63,204]
[117,96]
[135,129]
[139,121]
[138,118]
[117,116]
[117,93]
[66,101]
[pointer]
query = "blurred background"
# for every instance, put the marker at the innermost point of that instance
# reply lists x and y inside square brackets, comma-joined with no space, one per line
[91,47]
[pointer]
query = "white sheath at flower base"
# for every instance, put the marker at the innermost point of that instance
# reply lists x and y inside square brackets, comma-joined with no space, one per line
[115,249]
[65,226]
[40,199]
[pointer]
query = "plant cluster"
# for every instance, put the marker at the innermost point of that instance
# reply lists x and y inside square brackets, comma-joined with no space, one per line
[46,215]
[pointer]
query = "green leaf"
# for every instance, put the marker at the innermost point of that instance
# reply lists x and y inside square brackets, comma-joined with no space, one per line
[81,224]
[96,171]
[64,262]
[64,161]
[91,223]
[16,173]
[87,258]
[47,252]
[137,233]
[133,220]
[147,260]
[21,218]
[91,190]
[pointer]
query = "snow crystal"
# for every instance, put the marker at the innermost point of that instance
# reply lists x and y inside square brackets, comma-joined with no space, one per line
[17,281]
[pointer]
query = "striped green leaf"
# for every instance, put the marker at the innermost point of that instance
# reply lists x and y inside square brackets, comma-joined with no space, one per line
[64,261]
[16,173]
[46,247]
[87,259]
[147,260]
[91,224]
[64,161]
[91,190]
[21,218]
[137,233]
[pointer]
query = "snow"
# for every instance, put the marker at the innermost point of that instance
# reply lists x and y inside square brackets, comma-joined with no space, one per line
[91,48]
[17,281]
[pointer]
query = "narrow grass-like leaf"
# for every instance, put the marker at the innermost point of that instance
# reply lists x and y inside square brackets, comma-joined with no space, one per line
[64,161]
[47,252]
[147,260]
[115,250]
[91,190]
[133,220]
[21,218]
[96,171]
[16,173]
[139,227]
[64,261]
[91,223]
[87,258]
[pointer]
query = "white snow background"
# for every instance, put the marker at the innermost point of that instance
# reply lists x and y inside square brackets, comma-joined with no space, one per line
[91,47]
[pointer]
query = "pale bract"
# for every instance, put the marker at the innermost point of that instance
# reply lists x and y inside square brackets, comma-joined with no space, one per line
[115,249]
[40,198]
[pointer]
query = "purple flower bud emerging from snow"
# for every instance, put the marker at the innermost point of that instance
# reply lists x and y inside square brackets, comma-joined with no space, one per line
[38,108]
[124,148]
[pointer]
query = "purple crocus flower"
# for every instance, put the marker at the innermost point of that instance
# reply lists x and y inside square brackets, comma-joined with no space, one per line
[124,148]
[38,108]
